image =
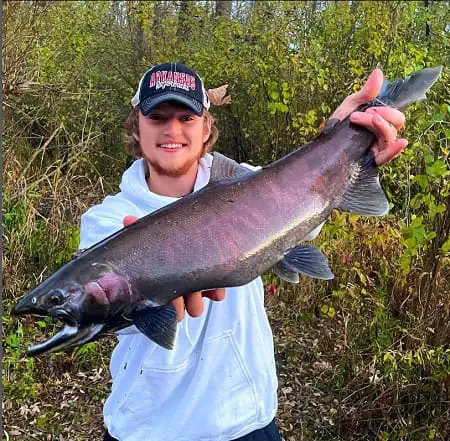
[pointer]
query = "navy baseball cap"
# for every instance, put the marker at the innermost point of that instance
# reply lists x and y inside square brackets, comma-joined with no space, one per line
[171,82]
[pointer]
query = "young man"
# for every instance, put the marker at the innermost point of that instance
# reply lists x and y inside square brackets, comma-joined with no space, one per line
[219,382]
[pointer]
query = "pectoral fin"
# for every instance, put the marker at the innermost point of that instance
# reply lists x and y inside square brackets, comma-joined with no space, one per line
[304,259]
[158,323]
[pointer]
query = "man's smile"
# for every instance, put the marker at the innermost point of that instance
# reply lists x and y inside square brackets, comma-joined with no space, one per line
[171,147]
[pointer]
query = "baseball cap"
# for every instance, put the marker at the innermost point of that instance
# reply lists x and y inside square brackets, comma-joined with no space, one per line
[171,82]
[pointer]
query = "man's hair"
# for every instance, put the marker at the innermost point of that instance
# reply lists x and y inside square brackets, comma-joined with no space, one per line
[132,126]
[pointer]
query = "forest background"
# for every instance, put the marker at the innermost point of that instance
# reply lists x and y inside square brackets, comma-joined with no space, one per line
[363,357]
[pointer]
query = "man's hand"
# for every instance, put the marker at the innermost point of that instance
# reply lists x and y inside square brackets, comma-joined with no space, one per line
[193,303]
[384,122]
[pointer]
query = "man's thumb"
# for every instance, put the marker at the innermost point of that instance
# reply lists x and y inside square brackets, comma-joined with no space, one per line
[372,87]
[128,220]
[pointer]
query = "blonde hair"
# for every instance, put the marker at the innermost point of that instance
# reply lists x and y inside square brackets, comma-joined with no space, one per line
[133,146]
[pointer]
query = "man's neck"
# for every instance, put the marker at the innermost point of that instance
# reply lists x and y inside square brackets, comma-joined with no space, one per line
[174,187]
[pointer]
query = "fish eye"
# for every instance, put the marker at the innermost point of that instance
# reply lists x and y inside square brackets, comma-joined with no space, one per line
[56,298]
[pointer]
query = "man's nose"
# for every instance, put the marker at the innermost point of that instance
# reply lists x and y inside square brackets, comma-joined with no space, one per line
[172,127]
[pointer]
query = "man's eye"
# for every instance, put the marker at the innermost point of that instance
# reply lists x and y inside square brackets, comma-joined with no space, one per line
[188,118]
[155,117]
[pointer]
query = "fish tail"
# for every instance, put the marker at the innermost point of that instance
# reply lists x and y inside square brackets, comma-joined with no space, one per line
[365,195]
[401,93]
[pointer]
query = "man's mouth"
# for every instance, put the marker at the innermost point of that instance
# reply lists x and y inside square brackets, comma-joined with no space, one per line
[172,147]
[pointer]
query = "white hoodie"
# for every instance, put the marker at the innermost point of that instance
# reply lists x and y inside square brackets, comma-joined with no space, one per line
[219,382]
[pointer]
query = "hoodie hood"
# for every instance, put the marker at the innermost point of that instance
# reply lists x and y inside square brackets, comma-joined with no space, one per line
[134,185]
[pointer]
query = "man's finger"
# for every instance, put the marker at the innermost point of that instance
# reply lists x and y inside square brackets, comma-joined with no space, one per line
[215,294]
[128,220]
[385,129]
[179,306]
[388,154]
[369,91]
[386,132]
[394,116]
[194,304]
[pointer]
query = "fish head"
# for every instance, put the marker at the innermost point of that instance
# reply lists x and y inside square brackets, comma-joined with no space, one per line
[87,300]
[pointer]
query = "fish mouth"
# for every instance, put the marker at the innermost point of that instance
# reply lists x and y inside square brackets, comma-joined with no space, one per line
[65,316]
[71,335]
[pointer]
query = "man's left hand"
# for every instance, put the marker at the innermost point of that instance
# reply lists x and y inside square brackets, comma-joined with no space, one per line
[385,122]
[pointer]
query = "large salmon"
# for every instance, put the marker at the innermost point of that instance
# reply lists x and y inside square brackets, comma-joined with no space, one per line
[227,234]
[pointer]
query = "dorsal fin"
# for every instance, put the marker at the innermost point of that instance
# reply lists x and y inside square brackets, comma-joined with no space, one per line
[223,168]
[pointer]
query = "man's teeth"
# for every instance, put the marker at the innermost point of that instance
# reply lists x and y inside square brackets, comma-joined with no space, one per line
[171,146]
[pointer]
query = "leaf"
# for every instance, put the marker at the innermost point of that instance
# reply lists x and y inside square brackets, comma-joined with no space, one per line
[446,247]
[422,180]
[388,357]
[328,311]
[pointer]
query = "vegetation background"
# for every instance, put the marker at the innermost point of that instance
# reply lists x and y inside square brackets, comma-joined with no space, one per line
[363,357]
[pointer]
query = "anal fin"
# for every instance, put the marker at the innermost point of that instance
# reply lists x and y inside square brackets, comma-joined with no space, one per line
[365,196]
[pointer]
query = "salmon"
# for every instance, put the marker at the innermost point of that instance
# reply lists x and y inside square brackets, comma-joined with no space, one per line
[242,224]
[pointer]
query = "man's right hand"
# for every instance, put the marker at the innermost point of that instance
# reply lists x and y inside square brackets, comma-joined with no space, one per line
[193,302]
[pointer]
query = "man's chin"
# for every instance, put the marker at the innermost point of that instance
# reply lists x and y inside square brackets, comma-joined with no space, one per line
[172,170]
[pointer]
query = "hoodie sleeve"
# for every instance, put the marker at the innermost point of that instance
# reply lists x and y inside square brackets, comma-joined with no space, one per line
[104,219]
[314,233]
[99,222]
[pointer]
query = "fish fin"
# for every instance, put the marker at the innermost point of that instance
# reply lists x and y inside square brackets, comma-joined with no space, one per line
[158,323]
[307,260]
[223,168]
[365,195]
[401,93]
[284,273]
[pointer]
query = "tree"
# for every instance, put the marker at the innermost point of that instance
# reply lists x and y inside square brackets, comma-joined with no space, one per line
[223,8]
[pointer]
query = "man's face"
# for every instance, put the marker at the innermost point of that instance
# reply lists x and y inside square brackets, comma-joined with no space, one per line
[171,138]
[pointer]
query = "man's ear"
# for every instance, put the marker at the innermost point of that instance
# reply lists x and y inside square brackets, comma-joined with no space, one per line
[136,137]
[206,129]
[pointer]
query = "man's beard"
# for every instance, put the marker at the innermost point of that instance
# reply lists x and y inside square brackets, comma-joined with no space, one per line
[173,172]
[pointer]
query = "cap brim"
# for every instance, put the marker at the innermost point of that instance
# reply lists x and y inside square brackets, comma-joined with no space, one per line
[151,102]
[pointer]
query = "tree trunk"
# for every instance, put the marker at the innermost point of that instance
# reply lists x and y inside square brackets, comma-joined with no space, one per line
[223,8]
[136,34]
[427,25]
[183,21]
[157,19]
